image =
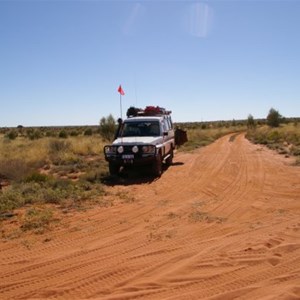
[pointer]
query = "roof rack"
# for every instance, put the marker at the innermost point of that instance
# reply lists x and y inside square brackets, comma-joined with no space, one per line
[148,111]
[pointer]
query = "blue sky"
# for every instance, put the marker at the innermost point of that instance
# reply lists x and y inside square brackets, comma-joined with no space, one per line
[61,62]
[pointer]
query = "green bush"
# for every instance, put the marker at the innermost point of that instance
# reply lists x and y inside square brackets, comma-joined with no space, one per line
[37,177]
[10,199]
[274,118]
[107,127]
[74,133]
[12,134]
[273,136]
[37,219]
[284,139]
[88,132]
[250,122]
[63,134]
[59,146]
[34,134]
[295,150]
[51,191]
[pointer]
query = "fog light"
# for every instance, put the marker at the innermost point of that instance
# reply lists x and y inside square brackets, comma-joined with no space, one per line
[135,149]
[120,149]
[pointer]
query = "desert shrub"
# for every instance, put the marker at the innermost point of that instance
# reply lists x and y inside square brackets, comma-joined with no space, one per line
[107,127]
[34,134]
[63,134]
[250,122]
[74,133]
[88,132]
[293,138]
[12,134]
[10,199]
[37,219]
[36,177]
[259,135]
[50,191]
[274,118]
[273,136]
[59,146]
[51,133]
[15,169]
[295,150]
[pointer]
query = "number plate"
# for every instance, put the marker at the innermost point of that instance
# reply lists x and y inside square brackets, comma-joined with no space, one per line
[128,156]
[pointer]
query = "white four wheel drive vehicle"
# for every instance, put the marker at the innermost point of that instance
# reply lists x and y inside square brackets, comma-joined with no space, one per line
[145,138]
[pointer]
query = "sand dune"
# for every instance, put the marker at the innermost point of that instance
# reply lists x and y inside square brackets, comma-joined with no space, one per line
[222,223]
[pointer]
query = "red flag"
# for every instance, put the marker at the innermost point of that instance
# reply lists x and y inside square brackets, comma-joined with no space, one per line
[120,90]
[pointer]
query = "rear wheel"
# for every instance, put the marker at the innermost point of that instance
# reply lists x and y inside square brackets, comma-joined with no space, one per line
[113,169]
[157,166]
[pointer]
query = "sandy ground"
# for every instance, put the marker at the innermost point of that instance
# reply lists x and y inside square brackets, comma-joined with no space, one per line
[222,223]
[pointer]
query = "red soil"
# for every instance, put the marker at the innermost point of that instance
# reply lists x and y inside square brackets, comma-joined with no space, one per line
[222,223]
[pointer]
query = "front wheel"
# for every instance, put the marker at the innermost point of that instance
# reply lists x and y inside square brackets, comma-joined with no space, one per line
[157,166]
[113,169]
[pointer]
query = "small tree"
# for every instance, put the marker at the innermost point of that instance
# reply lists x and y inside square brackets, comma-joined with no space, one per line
[107,127]
[88,132]
[63,134]
[12,135]
[274,118]
[250,122]
[34,134]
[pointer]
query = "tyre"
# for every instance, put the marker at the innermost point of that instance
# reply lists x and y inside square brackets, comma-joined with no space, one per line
[169,160]
[113,169]
[157,166]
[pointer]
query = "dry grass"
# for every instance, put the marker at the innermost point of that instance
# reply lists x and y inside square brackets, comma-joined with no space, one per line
[198,137]
[284,139]
[50,170]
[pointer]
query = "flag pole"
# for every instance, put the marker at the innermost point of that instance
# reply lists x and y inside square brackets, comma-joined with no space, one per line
[121,106]
[120,90]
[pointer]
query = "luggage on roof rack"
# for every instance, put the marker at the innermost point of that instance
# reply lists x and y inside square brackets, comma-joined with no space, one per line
[133,111]
[148,111]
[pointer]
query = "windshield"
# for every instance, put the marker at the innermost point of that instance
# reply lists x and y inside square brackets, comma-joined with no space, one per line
[141,128]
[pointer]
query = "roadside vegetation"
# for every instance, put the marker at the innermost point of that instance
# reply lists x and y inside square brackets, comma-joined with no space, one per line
[204,133]
[278,133]
[50,161]
[42,174]
[285,139]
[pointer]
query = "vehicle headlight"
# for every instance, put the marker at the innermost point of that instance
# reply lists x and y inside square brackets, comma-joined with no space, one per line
[148,149]
[110,149]
[120,149]
[135,149]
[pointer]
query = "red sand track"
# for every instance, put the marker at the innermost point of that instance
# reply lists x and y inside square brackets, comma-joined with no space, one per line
[222,223]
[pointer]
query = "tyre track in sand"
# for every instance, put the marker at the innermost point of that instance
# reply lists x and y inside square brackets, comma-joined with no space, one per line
[222,222]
